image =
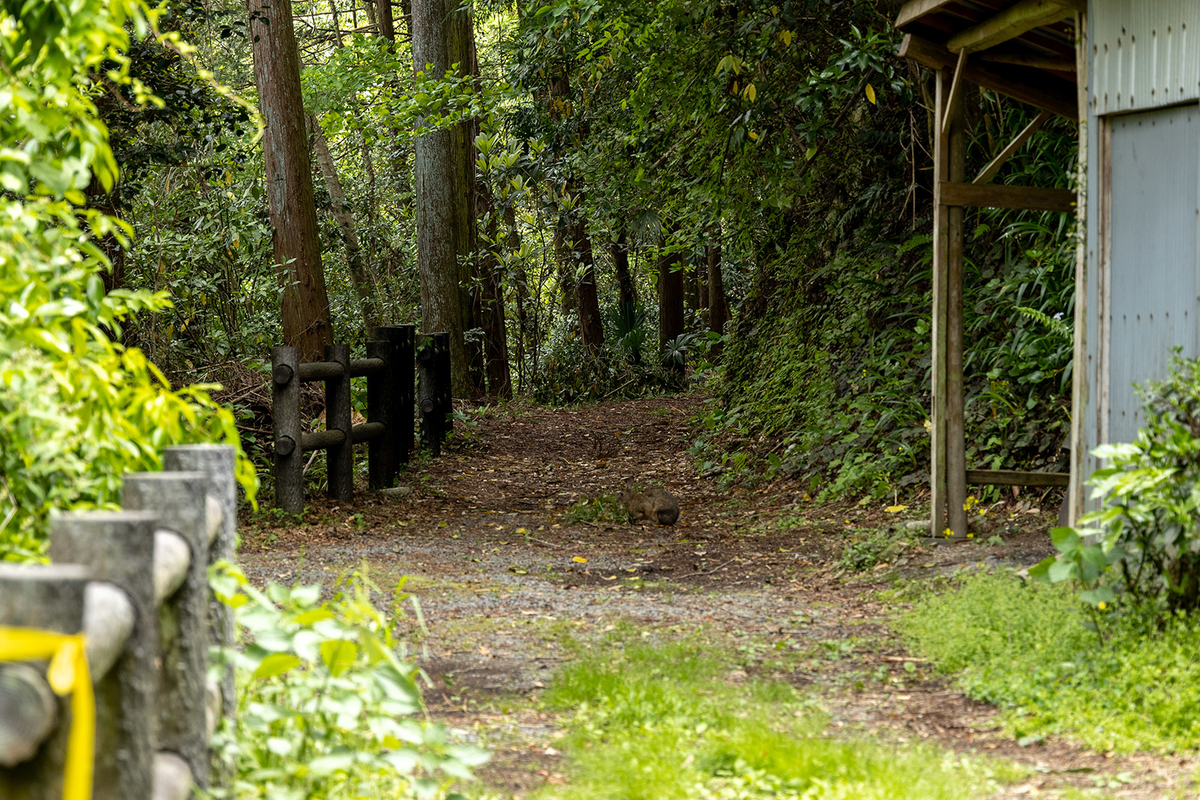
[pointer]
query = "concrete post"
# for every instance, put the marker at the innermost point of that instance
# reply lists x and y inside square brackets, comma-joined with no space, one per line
[119,548]
[179,500]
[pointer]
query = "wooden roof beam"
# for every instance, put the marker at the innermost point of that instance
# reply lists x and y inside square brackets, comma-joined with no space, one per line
[913,10]
[1062,100]
[1013,22]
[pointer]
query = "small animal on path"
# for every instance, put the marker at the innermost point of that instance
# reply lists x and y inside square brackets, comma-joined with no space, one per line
[655,505]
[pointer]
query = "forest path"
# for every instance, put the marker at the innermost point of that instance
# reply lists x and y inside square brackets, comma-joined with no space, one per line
[506,561]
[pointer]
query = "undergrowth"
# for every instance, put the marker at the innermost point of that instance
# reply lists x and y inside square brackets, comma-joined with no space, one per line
[1025,649]
[667,720]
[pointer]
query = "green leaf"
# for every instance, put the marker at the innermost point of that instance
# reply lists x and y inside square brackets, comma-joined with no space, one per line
[276,664]
[339,655]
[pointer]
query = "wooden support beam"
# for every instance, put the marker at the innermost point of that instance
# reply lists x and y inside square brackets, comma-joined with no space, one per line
[956,448]
[1009,24]
[956,89]
[1023,58]
[1051,94]
[1019,198]
[999,161]
[937,367]
[915,9]
[999,477]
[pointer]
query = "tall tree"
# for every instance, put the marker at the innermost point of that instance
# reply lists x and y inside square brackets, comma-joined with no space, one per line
[718,308]
[670,300]
[305,302]
[443,168]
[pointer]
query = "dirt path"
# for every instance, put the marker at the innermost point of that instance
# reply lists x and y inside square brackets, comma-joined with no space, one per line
[504,570]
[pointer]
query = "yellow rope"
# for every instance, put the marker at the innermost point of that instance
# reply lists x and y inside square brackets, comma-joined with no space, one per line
[68,674]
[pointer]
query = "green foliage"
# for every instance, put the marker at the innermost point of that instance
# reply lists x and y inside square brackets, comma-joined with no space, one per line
[658,720]
[77,409]
[603,508]
[1149,525]
[830,359]
[570,374]
[870,548]
[1022,647]
[328,705]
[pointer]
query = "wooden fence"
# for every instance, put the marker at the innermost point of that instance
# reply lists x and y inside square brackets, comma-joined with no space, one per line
[388,430]
[134,584]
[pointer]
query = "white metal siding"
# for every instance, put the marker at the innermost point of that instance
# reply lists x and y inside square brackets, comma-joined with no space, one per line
[1145,54]
[1155,268]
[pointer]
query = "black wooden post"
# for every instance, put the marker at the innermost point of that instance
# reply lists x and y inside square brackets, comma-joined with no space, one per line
[285,410]
[428,399]
[401,395]
[340,457]
[379,449]
[446,403]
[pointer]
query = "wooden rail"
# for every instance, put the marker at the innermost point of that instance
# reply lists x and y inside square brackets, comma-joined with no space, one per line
[135,584]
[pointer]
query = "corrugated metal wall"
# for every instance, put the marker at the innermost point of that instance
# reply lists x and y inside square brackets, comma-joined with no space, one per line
[1146,54]
[1155,264]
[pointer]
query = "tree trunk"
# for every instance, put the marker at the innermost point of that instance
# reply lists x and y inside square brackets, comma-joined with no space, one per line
[718,309]
[626,288]
[670,303]
[691,290]
[387,27]
[591,329]
[345,221]
[305,303]
[520,291]
[495,329]
[444,201]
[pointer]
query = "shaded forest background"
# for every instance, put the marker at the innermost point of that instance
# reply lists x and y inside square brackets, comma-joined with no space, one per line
[727,193]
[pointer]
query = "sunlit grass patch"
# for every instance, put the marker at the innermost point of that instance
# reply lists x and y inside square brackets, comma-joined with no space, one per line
[1025,649]
[673,720]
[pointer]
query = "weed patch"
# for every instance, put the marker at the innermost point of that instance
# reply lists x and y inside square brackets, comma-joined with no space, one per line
[669,720]
[1025,649]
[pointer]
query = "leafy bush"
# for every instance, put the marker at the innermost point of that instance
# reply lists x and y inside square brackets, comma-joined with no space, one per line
[570,374]
[327,706]
[77,409]
[1022,647]
[1149,525]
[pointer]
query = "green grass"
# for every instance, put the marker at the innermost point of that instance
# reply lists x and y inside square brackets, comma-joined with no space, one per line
[1026,650]
[605,508]
[662,720]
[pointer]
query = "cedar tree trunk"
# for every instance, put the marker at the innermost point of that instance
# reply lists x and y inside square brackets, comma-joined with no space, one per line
[305,304]
[444,196]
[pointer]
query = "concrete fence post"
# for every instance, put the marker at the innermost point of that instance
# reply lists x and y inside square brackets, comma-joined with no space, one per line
[179,499]
[218,462]
[47,598]
[118,547]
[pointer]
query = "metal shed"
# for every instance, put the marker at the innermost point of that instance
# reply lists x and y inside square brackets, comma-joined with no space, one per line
[1129,72]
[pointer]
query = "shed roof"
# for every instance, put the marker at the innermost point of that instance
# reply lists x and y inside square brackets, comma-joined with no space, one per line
[1021,48]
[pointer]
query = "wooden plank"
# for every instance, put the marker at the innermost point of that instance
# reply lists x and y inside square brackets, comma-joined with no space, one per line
[1019,198]
[1024,58]
[937,411]
[1051,94]
[999,161]
[1009,24]
[1079,376]
[915,9]
[956,89]
[956,456]
[1000,477]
